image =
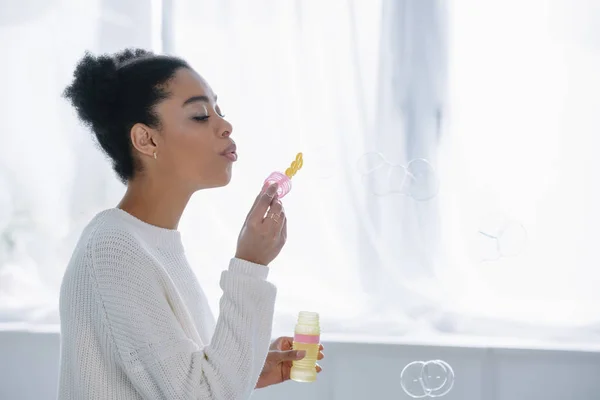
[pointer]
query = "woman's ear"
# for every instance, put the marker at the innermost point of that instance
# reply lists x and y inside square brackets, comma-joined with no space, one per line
[142,139]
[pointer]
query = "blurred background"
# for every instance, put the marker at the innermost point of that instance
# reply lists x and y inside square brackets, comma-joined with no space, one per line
[447,207]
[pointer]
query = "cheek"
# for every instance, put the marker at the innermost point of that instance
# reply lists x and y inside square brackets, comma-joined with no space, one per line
[192,148]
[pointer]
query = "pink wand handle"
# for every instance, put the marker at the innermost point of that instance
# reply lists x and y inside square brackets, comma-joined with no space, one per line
[284,183]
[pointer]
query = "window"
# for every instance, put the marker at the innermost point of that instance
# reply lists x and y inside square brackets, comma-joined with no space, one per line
[499,98]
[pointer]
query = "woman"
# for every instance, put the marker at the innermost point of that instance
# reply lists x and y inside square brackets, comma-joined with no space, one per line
[135,323]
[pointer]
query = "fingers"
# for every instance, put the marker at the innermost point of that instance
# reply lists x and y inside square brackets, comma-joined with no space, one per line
[293,355]
[320,357]
[282,343]
[276,344]
[276,209]
[289,355]
[284,227]
[277,214]
[287,343]
[262,203]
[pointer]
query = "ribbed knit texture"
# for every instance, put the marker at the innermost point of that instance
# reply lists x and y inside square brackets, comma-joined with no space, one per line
[135,323]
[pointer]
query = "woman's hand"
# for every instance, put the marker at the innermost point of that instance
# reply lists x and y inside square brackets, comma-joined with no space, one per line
[263,236]
[278,364]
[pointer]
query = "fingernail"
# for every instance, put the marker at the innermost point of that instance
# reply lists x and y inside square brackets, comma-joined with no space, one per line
[272,189]
[300,354]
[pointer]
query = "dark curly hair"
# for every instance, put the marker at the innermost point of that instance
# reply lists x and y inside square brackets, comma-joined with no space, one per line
[112,93]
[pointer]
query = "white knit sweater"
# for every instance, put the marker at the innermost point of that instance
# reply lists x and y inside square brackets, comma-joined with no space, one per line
[135,323]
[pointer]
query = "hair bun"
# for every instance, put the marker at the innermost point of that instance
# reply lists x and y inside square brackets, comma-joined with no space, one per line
[111,93]
[128,55]
[95,90]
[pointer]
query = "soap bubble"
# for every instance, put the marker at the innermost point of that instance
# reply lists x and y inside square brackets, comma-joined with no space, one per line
[420,379]
[417,179]
[378,180]
[499,237]
[397,179]
[423,183]
[411,380]
[438,378]
[369,162]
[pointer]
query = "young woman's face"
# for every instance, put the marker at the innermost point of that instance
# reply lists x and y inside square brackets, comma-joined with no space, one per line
[194,146]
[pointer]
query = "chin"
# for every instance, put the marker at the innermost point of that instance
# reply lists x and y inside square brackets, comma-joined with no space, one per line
[224,182]
[217,182]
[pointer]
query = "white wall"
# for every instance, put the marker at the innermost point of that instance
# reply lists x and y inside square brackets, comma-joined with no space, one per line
[28,370]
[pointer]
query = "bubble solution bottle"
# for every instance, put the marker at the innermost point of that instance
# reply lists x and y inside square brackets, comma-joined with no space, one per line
[307,337]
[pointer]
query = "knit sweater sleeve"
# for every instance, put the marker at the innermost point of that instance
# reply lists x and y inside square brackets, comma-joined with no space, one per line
[147,341]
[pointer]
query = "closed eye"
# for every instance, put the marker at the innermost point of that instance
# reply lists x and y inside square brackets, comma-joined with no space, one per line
[201,118]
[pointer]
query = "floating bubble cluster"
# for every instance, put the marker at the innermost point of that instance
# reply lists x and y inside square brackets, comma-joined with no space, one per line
[499,237]
[421,379]
[417,179]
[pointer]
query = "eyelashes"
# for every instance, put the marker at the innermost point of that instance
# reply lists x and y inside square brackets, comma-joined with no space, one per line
[203,118]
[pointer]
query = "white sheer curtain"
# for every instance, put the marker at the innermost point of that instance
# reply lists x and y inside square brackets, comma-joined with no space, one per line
[329,79]
[52,178]
[523,143]
[285,73]
[400,233]
[514,134]
[333,80]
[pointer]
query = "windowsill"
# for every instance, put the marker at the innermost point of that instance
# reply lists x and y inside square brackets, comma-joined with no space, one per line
[27,327]
[430,340]
[466,341]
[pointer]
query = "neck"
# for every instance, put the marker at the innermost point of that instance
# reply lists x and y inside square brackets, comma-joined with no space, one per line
[156,203]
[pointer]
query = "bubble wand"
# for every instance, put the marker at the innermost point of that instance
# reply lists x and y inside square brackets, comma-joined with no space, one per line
[284,181]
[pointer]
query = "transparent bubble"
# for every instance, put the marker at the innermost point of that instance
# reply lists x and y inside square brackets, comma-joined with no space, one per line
[397,178]
[369,162]
[411,380]
[417,180]
[420,379]
[422,183]
[438,378]
[378,180]
[500,236]
[487,247]
[434,375]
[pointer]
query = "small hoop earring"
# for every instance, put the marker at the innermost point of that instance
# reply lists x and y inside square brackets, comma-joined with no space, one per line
[155,155]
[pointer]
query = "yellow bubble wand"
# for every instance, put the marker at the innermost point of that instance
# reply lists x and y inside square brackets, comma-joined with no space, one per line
[294,166]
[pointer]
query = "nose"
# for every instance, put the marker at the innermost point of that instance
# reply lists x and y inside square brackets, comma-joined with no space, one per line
[226,129]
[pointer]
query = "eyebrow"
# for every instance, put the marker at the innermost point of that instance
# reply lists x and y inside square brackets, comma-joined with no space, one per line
[195,99]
